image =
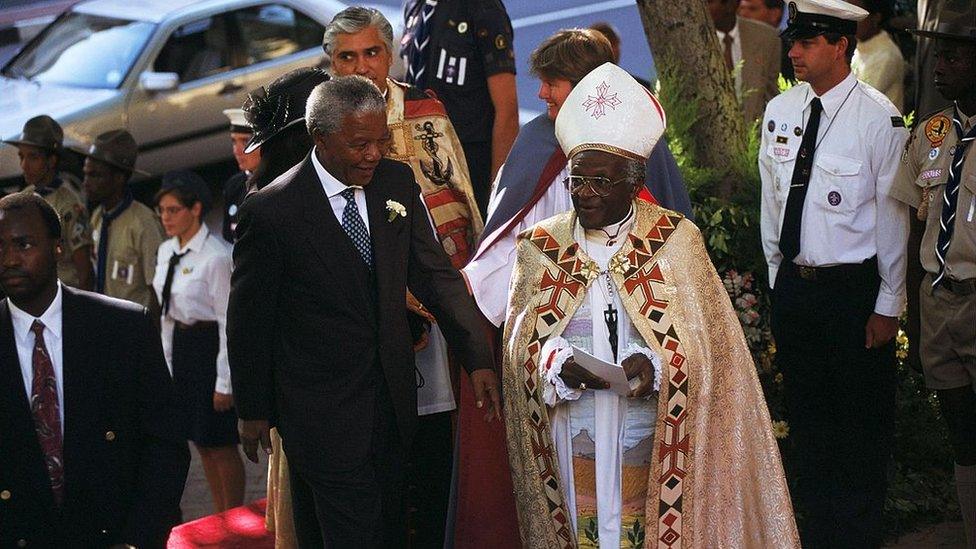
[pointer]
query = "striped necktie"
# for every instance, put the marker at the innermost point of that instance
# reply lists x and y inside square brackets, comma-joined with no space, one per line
[418,36]
[950,197]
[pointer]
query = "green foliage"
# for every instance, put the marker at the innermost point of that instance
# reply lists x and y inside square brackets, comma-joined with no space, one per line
[635,536]
[592,531]
[920,478]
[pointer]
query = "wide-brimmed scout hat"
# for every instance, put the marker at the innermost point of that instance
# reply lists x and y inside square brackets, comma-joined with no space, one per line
[957,21]
[273,108]
[41,131]
[810,18]
[117,148]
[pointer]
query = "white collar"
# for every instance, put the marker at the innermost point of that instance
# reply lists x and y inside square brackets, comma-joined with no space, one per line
[50,318]
[618,231]
[834,97]
[195,243]
[332,185]
[734,32]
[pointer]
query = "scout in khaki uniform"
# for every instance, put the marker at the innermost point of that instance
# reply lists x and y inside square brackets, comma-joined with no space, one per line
[39,148]
[938,179]
[126,233]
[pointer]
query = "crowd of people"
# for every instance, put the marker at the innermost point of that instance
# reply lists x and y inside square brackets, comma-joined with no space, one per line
[443,330]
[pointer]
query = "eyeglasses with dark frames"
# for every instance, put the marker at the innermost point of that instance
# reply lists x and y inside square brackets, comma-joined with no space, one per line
[598,185]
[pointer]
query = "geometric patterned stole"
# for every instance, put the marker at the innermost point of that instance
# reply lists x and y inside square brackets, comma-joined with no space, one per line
[560,291]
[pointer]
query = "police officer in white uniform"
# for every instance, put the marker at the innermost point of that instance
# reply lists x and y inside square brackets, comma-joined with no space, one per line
[834,242]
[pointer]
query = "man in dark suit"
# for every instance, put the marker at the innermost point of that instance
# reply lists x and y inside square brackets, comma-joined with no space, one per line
[92,452]
[318,335]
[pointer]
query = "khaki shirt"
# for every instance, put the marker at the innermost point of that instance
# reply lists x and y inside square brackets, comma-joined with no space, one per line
[75,230]
[921,182]
[133,240]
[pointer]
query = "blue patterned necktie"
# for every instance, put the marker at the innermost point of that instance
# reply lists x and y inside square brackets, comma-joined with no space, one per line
[353,224]
[101,259]
[418,32]
[950,198]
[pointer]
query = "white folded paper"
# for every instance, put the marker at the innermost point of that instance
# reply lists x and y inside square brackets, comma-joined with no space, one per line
[611,373]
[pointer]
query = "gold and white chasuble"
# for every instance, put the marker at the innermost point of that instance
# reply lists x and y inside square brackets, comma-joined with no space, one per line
[714,477]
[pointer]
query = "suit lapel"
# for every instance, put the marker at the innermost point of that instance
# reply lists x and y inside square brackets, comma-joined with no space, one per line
[325,235]
[77,374]
[18,423]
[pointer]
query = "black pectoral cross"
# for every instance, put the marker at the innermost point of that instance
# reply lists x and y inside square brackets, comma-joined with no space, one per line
[610,317]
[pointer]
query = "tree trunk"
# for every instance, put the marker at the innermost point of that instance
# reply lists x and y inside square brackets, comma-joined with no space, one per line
[686,51]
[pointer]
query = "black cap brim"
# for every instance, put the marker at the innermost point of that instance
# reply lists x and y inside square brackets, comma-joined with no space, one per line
[260,138]
[943,35]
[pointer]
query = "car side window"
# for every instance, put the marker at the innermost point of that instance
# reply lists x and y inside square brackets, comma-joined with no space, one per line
[270,31]
[196,50]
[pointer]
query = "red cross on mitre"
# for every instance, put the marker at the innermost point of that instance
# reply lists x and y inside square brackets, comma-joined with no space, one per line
[601,101]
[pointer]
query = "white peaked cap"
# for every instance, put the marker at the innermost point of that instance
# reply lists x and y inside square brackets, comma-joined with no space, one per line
[609,111]
[237,120]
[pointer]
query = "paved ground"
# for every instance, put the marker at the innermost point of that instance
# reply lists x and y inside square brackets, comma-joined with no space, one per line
[940,536]
[196,503]
[196,496]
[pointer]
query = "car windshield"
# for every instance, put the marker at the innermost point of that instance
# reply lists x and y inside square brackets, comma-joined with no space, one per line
[82,50]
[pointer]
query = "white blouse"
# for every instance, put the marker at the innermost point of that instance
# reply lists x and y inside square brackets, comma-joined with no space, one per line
[201,287]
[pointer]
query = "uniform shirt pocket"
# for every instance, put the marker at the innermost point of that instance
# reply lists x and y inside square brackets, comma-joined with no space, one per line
[122,267]
[781,161]
[454,58]
[841,188]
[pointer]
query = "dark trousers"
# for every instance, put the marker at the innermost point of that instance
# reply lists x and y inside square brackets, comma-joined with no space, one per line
[429,478]
[478,155]
[840,404]
[362,508]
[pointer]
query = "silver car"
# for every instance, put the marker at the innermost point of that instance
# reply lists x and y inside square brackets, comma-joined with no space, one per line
[163,69]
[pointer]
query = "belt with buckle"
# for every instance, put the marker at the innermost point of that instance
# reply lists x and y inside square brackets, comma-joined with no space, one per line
[835,272]
[199,325]
[959,287]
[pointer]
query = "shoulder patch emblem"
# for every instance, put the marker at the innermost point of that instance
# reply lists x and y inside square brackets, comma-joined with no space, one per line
[897,122]
[937,128]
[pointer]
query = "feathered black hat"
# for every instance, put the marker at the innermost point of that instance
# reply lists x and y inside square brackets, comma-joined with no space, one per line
[279,105]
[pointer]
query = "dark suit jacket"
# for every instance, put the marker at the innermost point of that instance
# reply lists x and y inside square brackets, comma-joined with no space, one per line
[125,452]
[760,70]
[312,334]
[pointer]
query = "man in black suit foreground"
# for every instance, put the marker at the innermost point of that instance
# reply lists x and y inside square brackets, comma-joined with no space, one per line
[318,335]
[92,453]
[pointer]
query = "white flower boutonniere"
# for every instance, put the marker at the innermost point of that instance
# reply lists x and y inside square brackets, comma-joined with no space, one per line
[395,209]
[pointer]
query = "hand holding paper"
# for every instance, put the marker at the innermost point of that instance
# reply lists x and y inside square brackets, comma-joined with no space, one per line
[611,373]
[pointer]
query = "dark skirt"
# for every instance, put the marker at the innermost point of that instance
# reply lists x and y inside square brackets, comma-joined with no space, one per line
[195,351]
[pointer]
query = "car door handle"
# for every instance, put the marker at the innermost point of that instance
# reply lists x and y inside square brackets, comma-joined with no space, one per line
[230,87]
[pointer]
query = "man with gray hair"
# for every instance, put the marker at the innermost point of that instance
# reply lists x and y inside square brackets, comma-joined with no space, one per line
[318,339]
[359,40]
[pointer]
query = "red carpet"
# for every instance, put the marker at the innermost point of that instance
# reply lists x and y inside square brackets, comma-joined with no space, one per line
[240,527]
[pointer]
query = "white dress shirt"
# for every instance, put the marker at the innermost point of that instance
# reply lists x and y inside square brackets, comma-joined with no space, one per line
[53,341]
[201,287]
[333,187]
[878,62]
[848,214]
[736,55]
[490,273]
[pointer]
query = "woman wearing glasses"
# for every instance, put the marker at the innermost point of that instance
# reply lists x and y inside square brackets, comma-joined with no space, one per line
[192,283]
